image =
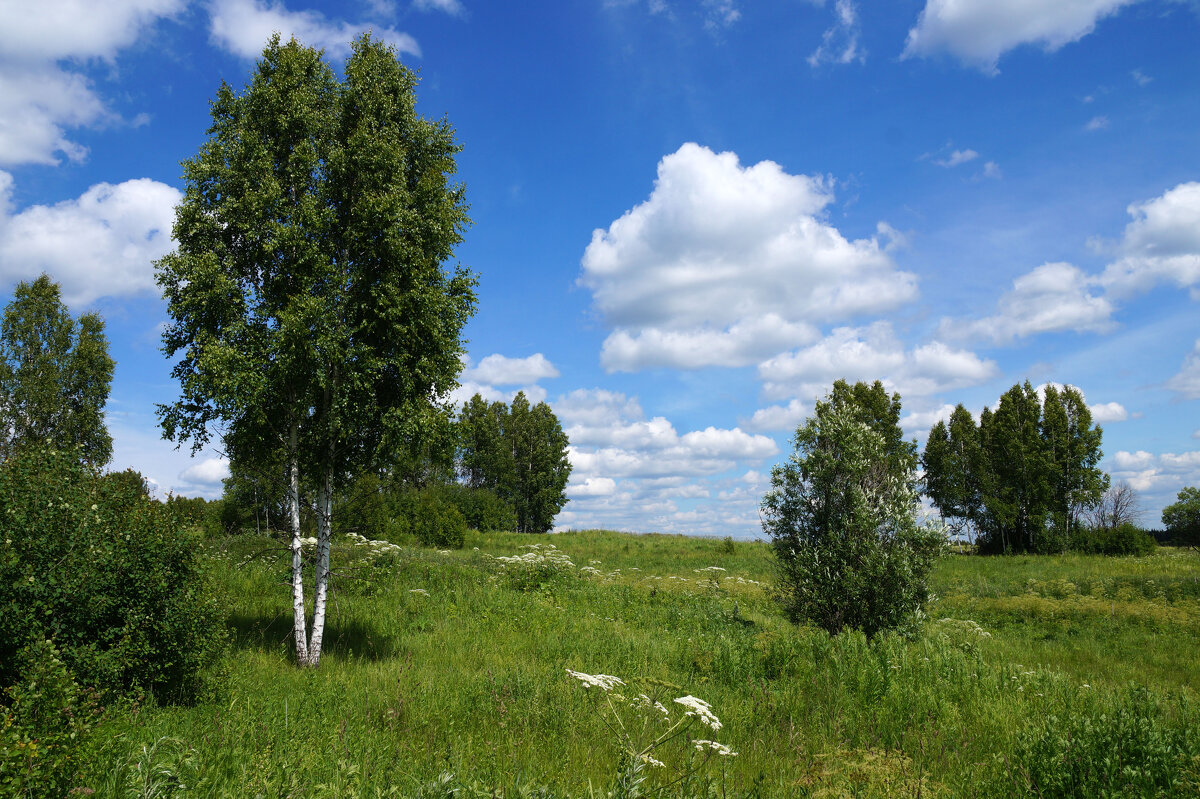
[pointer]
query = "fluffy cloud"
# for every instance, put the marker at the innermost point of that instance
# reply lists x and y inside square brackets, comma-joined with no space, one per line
[957,157]
[870,353]
[919,423]
[1108,412]
[243,27]
[688,277]
[1053,297]
[503,371]
[1160,245]
[978,32]
[592,487]
[778,417]
[1187,382]
[40,98]
[839,43]
[1160,474]
[101,244]
[469,388]
[609,438]
[209,472]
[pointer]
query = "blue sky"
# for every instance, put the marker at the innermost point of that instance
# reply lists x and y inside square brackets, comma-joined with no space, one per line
[690,218]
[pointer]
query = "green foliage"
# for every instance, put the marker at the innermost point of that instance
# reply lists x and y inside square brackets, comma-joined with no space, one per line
[191,511]
[45,721]
[518,453]
[1182,518]
[1124,749]
[842,517]
[54,375]
[436,522]
[1124,539]
[482,509]
[107,573]
[1023,476]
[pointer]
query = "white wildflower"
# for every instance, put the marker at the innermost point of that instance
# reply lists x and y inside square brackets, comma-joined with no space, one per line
[719,748]
[650,761]
[701,710]
[605,682]
[420,591]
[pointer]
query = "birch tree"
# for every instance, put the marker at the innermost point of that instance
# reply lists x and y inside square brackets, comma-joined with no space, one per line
[311,306]
[55,374]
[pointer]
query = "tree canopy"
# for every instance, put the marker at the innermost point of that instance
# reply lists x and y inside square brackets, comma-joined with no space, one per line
[842,516]
[308,295]
[1022,478]
[55,374]
[518,453]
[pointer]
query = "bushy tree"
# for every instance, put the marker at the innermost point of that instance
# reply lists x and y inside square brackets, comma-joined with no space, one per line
[517,453]
[55,374]
[842,517]
[1182,518]
[309,301]
[105,572]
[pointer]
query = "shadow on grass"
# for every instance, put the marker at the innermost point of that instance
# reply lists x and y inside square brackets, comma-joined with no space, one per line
[271,632]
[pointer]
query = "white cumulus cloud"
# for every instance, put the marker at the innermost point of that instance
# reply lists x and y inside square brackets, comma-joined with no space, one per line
[101,244]
[978,32]
[504,371]
[871,353]
[775,418]
[691,276]
[1108,412]
[1160,245]
[43,93]
[1052,297]
[208,472]
[243,27]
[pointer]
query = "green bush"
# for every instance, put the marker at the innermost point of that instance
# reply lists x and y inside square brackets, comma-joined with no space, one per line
[435,521]
[1124,539]
[108,574]
[482,509]
[45,719]
[188,510]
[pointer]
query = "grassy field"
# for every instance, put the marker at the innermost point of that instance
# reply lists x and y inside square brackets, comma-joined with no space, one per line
[1058,676]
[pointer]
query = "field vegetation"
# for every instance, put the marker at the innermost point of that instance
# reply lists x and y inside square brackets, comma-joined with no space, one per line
[446,674]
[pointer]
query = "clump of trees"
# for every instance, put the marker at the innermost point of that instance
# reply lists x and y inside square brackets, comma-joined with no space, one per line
[1182,518]
[55,374]
[842,515]
[1020,480]
[518,454]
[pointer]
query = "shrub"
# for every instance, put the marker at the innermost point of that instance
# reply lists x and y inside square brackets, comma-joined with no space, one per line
[45,719]
[107,573]
[188,510]
[436,522]
[1124,539]
[1182,518]
[482,509]
[842,517]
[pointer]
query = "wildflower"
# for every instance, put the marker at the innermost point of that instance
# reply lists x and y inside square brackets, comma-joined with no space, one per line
[650,761]
[420,591]
[605,682]
[701,710]
[719,748]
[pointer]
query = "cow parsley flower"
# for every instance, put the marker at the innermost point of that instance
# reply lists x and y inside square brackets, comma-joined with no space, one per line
[719,748]
[701,710]
[605,682]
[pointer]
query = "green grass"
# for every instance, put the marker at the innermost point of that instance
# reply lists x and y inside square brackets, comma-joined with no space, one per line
[469,678]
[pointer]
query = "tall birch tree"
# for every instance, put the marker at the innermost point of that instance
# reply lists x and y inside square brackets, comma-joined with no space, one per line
[309,295]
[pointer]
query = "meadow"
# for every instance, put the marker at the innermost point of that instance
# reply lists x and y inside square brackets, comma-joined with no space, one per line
[445,674]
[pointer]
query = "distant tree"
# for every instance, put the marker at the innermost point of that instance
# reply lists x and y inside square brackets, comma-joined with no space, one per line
[1182,518]
[55,374]
[540,465]
[1119,505]
[951,464]
[1024,476]
[309,301]
[519,454]
[842,517]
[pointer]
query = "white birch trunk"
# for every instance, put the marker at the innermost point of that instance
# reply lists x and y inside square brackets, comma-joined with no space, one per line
[299,616]
[321,591]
